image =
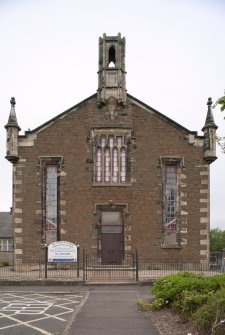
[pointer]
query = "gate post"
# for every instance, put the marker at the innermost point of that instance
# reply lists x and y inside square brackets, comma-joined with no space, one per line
[46,260]
[78,261]
[40,268]
[86,263]
[84,266]
[137,265]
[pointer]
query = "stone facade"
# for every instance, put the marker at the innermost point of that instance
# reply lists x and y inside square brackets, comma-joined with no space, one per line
[151,140]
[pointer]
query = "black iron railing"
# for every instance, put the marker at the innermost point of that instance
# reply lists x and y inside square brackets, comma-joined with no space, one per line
[90,268]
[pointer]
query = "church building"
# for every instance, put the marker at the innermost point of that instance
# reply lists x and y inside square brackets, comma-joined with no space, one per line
[112,175]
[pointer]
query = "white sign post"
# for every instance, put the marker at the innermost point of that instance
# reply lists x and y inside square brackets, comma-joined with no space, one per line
[62,251]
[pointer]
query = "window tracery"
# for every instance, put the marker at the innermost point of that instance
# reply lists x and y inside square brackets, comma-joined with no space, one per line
[111,158]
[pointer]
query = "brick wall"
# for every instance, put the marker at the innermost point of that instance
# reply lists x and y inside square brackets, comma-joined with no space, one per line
[155,137]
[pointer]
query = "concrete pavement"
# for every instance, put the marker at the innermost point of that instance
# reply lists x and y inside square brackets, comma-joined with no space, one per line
[112,310]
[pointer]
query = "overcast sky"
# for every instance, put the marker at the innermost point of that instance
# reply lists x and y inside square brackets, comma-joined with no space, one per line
[175,60]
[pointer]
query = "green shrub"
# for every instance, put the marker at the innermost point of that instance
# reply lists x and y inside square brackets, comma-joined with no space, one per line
[170,289]
[195,297]
[159,303]
[190,302]
[144,306]
[210,317]
[175,290]
[217,282]
[4,263]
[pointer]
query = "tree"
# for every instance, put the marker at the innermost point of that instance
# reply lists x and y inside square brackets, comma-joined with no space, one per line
[221,102]
[217,239]
[221,140]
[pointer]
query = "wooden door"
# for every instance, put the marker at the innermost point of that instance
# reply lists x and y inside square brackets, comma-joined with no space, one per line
[111,238]
[111,248]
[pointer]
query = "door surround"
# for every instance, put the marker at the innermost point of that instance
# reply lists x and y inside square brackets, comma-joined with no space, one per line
[110,206]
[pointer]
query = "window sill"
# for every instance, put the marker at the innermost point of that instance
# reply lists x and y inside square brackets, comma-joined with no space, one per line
[171,246]
[112,185]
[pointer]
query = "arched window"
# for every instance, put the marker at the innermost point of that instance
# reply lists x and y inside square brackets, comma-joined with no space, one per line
[112,56]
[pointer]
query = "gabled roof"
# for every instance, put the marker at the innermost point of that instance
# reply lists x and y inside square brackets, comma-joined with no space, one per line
[5,225]
[162,116]
[59,116]
[135,100]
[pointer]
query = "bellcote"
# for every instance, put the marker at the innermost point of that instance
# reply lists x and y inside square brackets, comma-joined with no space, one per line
[111,69]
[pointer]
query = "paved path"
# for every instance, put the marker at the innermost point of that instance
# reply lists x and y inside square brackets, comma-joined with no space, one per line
[111,311]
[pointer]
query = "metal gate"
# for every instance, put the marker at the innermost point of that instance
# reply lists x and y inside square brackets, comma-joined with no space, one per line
[94,270]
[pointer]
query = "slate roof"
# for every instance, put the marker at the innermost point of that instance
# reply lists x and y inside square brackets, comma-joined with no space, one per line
[5,225]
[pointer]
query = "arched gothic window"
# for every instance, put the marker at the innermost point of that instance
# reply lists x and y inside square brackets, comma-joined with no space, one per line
[112,56]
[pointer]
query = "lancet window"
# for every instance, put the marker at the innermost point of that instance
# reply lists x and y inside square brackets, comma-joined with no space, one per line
[111,159]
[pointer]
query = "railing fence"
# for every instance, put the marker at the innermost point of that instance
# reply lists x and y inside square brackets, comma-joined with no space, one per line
[123,270]
[89,268]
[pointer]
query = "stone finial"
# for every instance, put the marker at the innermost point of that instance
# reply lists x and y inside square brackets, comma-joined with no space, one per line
[210,117]
[12,129]
[209,122]
[209,130]
[209,102]
[13,101]
[12,121]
